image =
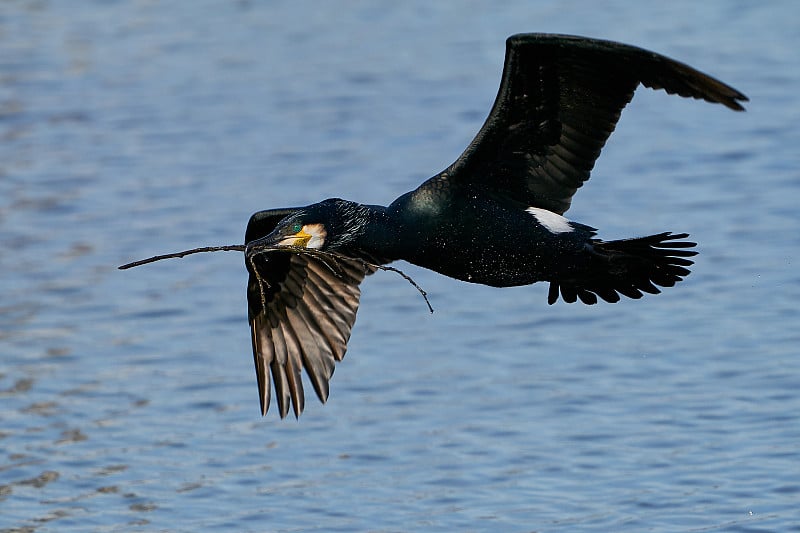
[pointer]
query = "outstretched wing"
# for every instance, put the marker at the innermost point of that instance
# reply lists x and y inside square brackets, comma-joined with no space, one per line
[560,98]
[301,310]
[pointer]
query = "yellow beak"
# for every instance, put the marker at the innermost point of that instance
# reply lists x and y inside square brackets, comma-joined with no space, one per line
[299,239]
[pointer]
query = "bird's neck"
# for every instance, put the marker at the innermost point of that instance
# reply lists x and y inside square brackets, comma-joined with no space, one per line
[402,229]
[377,236]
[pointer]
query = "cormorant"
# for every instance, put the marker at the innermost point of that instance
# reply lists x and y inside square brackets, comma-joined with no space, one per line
[495,216]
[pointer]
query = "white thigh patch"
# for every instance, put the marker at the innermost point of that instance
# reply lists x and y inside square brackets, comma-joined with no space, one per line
[551,221]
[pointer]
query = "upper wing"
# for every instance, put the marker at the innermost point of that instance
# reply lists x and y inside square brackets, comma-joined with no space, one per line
[560,98]
[301,310]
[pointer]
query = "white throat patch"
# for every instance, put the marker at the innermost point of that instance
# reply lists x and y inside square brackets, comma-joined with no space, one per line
[318,234]
[553,222]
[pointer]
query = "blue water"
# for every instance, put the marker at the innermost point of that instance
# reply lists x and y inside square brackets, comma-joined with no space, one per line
[129,400]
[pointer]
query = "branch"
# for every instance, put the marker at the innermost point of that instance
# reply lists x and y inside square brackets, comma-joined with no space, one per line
[227,248]
[317,254]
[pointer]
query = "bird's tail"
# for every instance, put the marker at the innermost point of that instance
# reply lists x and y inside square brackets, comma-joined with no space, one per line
[629,267]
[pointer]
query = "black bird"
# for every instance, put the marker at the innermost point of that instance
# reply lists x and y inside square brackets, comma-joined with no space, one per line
[492,217]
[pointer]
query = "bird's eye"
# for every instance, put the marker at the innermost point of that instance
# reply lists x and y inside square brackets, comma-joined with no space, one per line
[296,227]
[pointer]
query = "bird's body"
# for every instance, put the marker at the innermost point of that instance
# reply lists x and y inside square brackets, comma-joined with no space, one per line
[476,238]
[494,217]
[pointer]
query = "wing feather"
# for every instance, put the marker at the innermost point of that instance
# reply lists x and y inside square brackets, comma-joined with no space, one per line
[559,100]
[301,315]
[263,351]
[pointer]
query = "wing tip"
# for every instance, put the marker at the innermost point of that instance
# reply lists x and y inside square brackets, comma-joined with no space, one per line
[733,102]
[714,91]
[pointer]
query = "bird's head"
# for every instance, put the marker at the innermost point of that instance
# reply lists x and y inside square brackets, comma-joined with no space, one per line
[328,225]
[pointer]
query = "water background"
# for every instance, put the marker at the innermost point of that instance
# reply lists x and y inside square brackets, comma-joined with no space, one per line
[128,399]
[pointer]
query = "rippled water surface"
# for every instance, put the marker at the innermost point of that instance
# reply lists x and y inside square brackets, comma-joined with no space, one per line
[129,399]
